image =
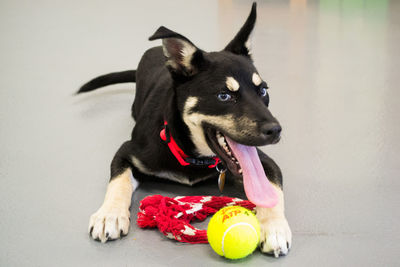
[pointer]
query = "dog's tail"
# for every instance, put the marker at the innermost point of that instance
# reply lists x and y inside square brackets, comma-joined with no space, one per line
[128,76]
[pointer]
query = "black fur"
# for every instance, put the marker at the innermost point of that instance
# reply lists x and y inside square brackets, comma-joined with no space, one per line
[162,91]
[237,45]
[128,76]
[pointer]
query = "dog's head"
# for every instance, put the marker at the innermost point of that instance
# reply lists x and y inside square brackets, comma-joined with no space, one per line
[220,94]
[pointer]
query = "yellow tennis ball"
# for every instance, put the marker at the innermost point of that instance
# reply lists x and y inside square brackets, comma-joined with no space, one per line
[233,232]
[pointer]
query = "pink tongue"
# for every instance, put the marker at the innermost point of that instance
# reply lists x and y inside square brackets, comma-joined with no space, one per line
[256,184]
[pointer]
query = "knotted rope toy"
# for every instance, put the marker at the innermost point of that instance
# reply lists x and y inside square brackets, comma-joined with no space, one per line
[172,216]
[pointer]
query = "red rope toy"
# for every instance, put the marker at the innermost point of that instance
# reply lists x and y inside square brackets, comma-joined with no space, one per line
[172,216]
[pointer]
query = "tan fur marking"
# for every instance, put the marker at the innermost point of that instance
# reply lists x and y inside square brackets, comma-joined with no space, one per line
[256,79]
[196,131]
[119,190]
[277,211]
[235,126]
[187,54]
[275,234]
[232,84]
[112,218]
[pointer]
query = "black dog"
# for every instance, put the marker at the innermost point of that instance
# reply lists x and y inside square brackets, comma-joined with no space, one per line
[195,111]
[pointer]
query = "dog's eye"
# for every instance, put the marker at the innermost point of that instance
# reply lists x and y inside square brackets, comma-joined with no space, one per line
[263,91]
[224,97]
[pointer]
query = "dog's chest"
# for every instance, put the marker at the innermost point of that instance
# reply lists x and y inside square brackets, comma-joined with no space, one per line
[188,178]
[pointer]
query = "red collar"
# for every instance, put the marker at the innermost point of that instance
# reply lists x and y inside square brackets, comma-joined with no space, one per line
[182,158]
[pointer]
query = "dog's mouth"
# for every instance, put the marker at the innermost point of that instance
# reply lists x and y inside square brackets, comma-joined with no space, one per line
[242,160]
[223,150]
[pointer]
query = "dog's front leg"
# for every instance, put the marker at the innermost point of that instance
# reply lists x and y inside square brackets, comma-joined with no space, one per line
[276,236]
[111,220]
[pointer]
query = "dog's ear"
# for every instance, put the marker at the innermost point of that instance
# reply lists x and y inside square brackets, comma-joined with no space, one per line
[241,44]
[183,57]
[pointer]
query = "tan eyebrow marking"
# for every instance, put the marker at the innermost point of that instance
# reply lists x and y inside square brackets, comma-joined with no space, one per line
[256,79]
[232,84]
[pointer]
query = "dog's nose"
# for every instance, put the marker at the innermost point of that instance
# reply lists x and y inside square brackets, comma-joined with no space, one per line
[272,130]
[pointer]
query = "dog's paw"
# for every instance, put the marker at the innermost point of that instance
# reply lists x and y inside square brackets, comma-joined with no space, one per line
[109,223]
[276,237]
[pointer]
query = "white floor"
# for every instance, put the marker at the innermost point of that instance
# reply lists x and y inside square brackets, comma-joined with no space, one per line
[333,70]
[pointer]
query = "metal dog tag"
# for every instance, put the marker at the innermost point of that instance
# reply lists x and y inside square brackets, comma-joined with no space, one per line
[221,180]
